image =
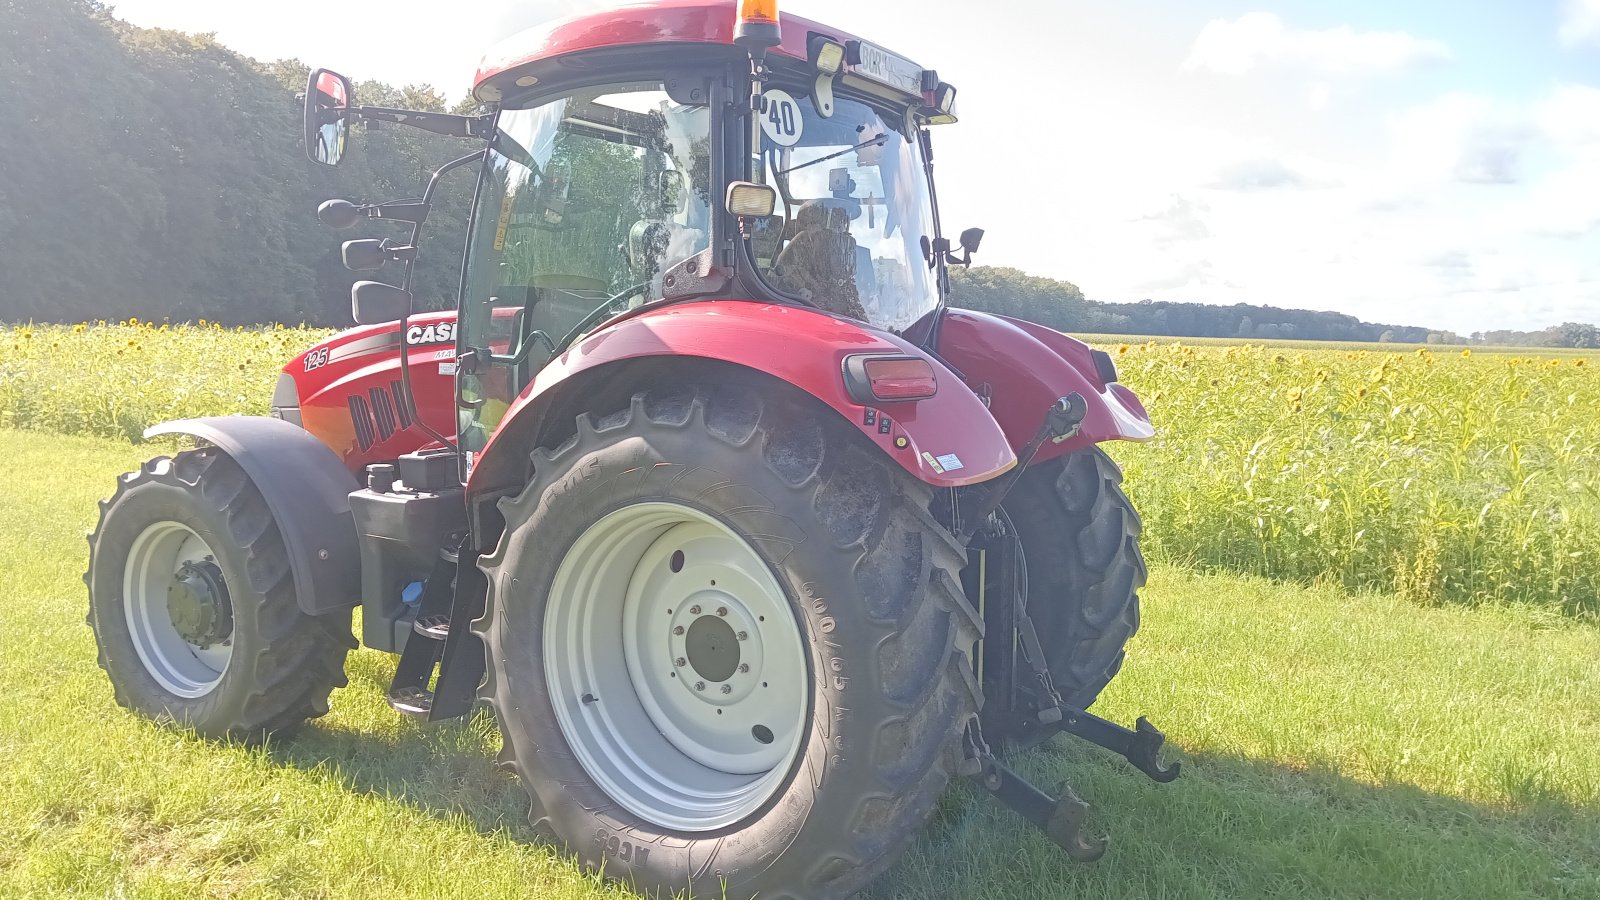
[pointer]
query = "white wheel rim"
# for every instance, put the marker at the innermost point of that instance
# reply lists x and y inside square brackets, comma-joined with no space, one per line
[181,667]
[676,666]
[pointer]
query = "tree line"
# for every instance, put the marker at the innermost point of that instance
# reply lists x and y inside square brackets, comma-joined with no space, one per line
[1061,305]
[159,175]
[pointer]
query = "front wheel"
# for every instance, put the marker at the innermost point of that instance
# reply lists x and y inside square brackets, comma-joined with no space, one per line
[193,605]
[1080,546]
[727,647]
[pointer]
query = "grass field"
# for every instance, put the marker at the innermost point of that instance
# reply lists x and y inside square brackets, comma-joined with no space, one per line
[1403,706]
[1335,745]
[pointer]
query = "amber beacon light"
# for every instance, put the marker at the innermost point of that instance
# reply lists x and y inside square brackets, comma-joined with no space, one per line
[758,24]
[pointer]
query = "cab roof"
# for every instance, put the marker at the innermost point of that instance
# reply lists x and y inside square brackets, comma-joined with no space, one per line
[651,22]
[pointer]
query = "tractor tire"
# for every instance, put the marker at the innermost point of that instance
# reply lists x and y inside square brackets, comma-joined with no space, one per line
[225,649]
[859,678]
[1080,546]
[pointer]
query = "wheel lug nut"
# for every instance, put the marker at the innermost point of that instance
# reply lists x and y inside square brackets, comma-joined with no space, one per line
[680,661]
[744,668]
[699,685]
[722,610]
[694,610]
[678,630]
[727,689]
[744,635]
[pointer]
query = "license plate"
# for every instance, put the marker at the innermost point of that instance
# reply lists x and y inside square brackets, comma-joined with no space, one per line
[887,68]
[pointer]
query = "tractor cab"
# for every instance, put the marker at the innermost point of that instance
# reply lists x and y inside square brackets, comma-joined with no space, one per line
[690,155]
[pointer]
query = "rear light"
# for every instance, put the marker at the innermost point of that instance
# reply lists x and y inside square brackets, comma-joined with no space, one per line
[888,379]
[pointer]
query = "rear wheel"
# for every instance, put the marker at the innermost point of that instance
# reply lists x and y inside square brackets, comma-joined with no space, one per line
[193,606]
[727,647]
[1080,544]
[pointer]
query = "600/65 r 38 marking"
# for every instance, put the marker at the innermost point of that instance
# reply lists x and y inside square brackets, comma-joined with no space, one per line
[727,646]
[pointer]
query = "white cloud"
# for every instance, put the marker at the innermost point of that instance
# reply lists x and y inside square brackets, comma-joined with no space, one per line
[1580,22]
[1261,39]
[1469,138]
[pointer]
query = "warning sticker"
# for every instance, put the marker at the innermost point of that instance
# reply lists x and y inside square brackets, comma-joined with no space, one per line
[950,462]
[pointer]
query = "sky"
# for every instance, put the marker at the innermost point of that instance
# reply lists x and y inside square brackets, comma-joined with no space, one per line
[1420,163]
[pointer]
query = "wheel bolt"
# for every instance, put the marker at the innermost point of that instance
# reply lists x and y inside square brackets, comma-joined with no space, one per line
[678,630]
[722,610]
[694,610]
[727,689]
[680,662]
[744,668]
[744,635]
[699,685]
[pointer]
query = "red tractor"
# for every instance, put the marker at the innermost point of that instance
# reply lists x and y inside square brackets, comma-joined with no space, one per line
[749,541]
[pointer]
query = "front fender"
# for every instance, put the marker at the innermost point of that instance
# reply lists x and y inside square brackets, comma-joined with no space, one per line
[949,439]
[307,489]
[1025,367]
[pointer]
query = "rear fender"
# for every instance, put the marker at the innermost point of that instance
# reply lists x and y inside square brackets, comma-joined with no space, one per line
[1024,367]
[307,490]
[947,440]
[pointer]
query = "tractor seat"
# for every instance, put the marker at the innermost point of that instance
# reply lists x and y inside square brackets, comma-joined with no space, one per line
[819,262]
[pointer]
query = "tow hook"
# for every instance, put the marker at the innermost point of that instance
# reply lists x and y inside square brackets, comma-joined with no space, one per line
[1141,746]
[1061,818]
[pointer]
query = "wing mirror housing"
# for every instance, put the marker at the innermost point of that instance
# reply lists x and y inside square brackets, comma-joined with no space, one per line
[970,239]
[364,255]
[338,214]
[373,303]
[329,97]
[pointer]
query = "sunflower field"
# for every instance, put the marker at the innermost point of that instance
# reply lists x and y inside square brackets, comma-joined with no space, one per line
[1445,475]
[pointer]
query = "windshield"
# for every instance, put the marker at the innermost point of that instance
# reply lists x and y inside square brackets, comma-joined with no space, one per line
[854,211]
[587,201]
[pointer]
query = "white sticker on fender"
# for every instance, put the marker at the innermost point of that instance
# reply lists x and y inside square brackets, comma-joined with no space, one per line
[950,462]
[781,121]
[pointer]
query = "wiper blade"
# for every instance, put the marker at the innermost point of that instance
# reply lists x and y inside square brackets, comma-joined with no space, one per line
[822,159]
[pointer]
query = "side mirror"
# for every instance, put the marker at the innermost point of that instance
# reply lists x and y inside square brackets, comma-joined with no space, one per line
[329,97]
[373,303]
[364,256]
[746,198]
[970,239]
[339,214]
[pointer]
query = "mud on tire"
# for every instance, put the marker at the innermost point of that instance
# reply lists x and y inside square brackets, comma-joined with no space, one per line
[871,581]
[284,663]
[1080,541]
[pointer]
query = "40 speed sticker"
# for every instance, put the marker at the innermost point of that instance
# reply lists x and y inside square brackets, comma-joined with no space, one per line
[781,122]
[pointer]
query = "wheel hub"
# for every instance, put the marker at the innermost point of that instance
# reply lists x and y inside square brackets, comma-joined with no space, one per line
[197,601]
[715,645]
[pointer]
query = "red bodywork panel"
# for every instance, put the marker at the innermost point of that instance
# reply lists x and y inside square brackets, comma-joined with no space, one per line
[659,22]
[349,388]
[348,385]
[1025,367]
[950,439]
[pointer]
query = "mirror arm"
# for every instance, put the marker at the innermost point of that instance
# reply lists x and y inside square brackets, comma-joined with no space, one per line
[448,124]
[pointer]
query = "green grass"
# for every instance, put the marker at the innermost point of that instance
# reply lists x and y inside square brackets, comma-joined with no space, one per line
[1335,745]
